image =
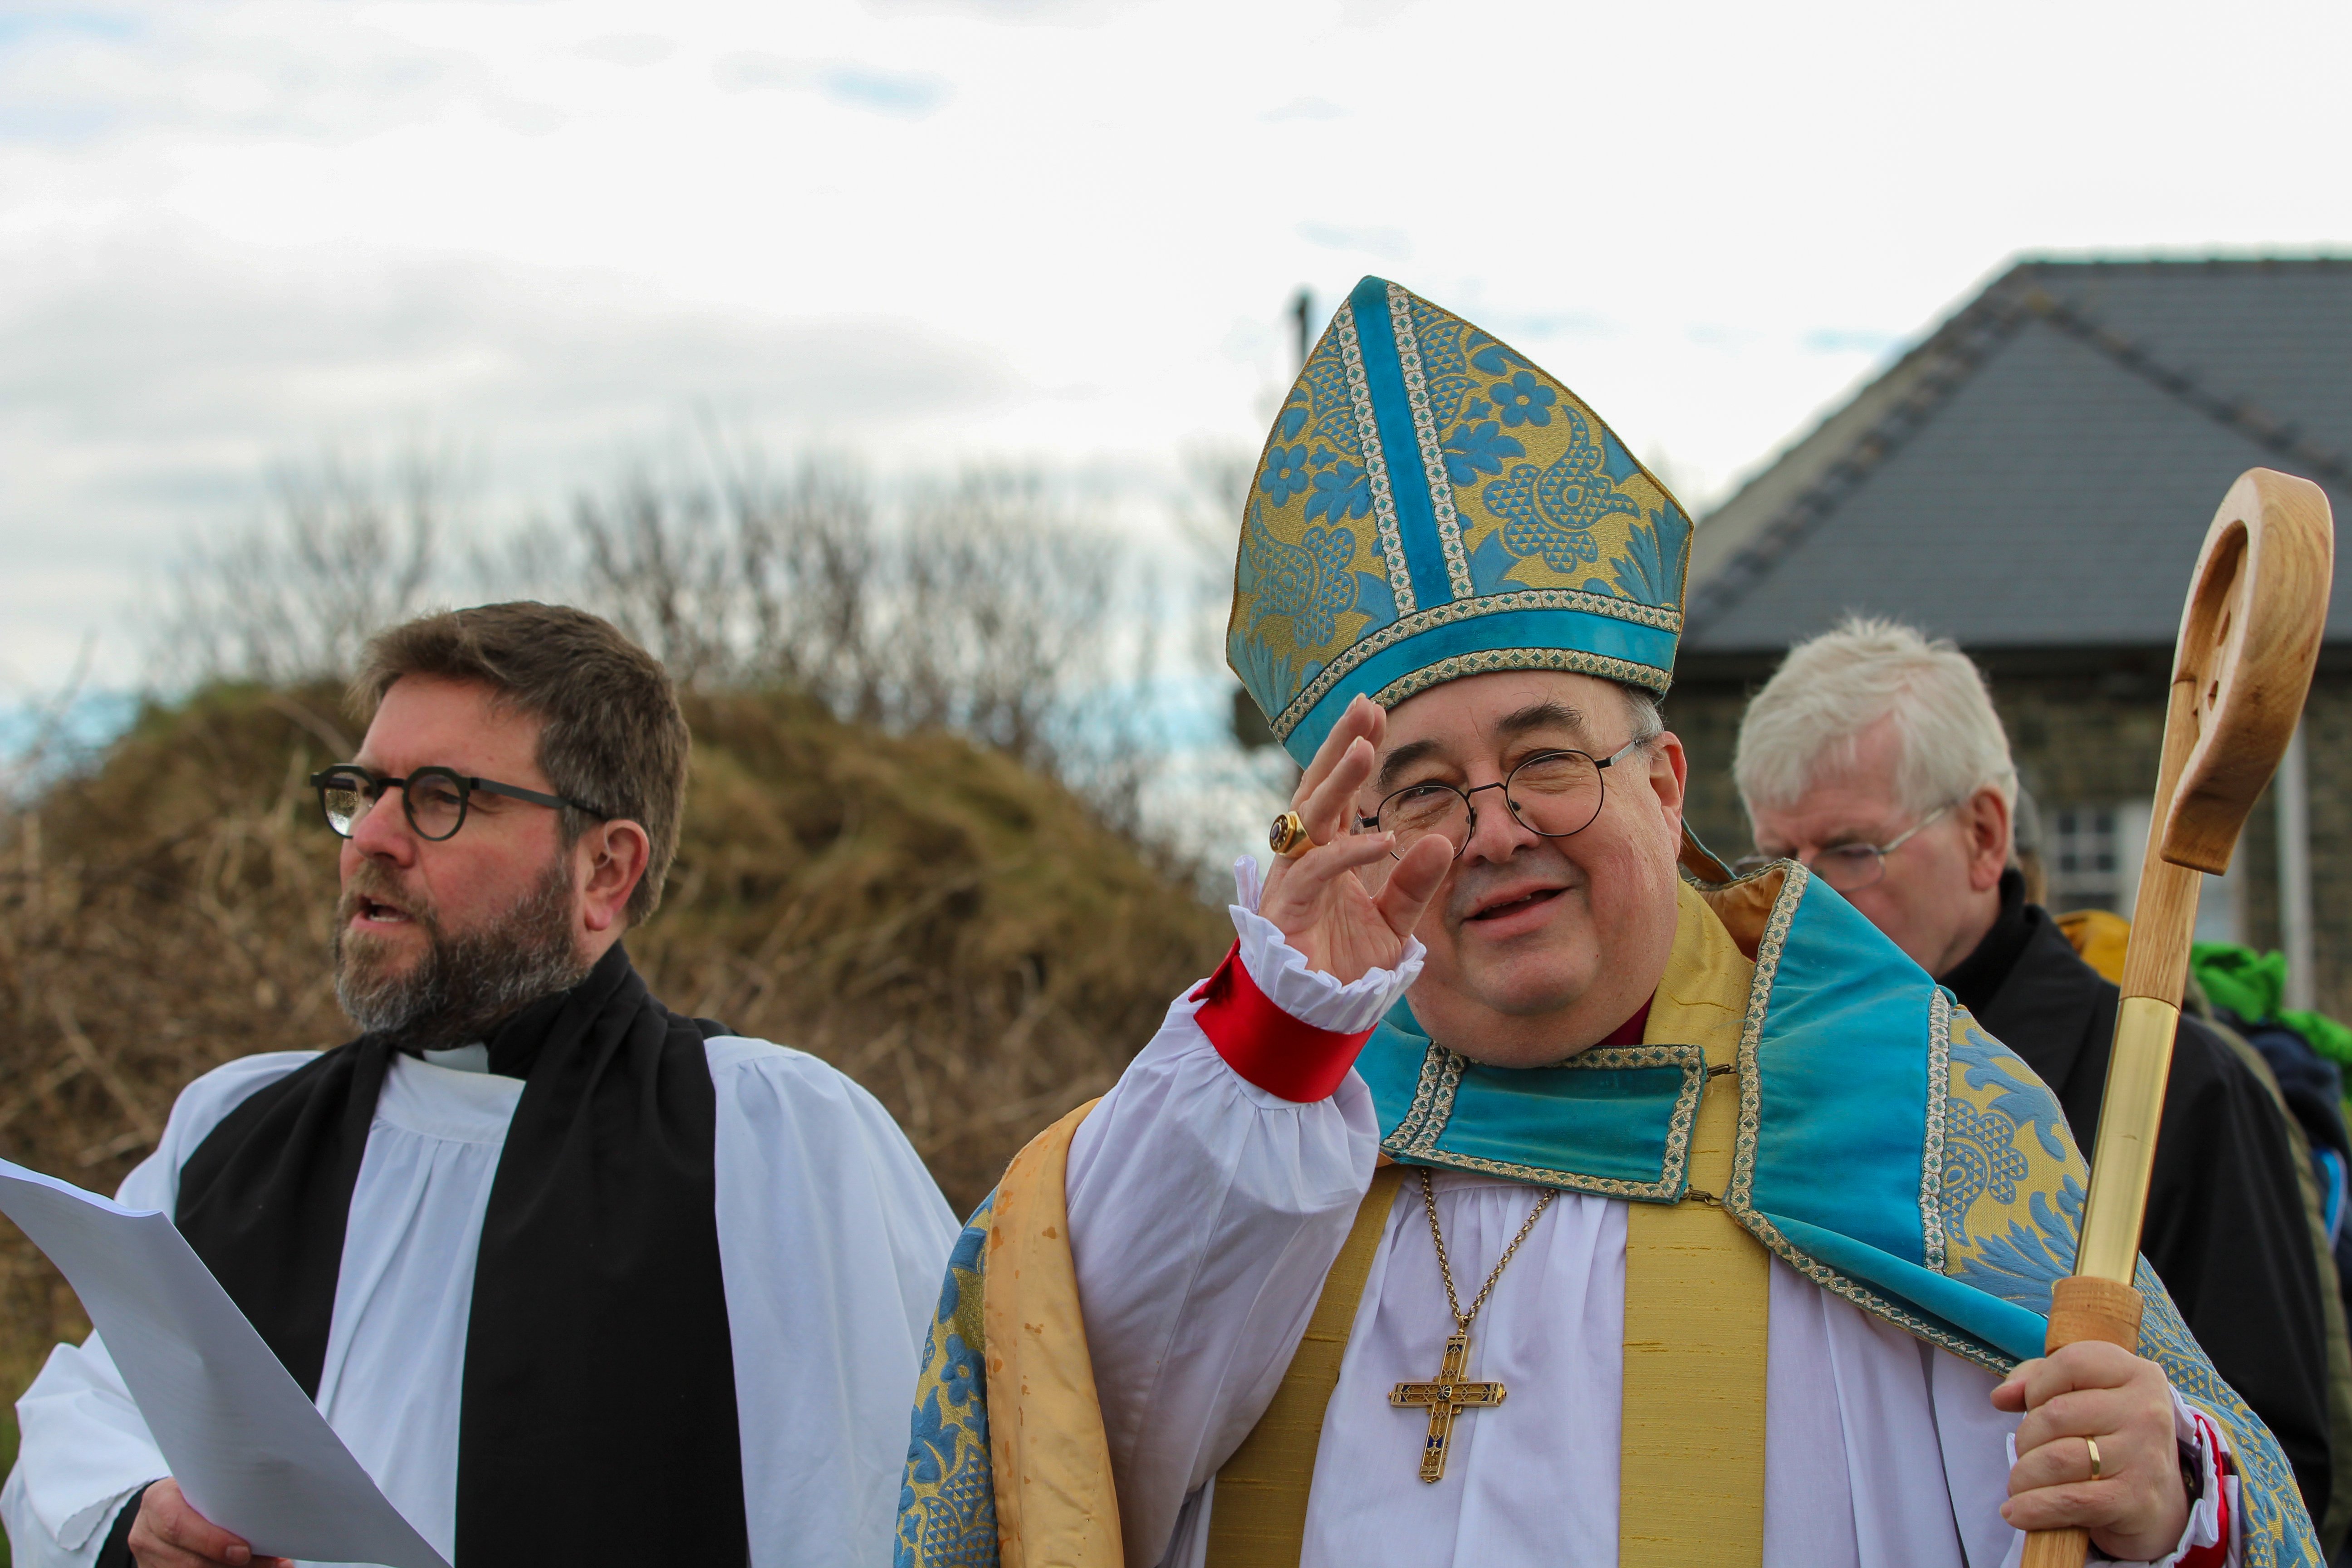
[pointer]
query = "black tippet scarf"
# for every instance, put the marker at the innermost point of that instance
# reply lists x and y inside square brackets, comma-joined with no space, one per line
[598,1422]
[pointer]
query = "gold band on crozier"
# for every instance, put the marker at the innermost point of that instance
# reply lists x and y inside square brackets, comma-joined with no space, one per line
[2093,1444]
[1288,836]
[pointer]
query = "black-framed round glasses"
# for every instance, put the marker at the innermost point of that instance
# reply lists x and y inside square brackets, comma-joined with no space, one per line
[435,798]
[1553,793]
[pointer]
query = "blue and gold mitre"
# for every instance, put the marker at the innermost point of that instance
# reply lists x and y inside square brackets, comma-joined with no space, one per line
[1430,504]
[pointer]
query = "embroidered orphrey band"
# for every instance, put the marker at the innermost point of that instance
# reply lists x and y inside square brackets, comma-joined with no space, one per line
[1931,1156]
[1456,611]
[1376,467]
[1424,433]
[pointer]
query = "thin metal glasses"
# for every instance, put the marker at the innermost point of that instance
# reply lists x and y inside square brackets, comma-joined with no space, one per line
[1553,793]
[1848,868]
[435,798]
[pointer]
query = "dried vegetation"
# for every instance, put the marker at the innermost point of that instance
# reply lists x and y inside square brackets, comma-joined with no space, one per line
[913,846]
[960,934]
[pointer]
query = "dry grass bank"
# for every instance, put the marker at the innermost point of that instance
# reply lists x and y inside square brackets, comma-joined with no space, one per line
[954,931]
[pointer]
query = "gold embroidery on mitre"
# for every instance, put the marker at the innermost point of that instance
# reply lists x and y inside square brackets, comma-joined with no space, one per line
[1509,489]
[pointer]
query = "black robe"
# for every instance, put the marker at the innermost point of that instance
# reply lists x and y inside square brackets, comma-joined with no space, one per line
[2226,1231]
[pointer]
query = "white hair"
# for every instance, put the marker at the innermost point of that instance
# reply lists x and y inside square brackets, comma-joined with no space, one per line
[1641,712]
[1806,722]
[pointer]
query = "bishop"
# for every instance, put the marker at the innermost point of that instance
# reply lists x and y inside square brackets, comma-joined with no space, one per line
[1768,1223]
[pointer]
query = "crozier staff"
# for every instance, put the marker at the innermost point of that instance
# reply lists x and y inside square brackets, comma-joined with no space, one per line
[1505,1197]
[578,1279]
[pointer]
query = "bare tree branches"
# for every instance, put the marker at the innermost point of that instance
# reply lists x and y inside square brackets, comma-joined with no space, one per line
[989,606]
[345,551]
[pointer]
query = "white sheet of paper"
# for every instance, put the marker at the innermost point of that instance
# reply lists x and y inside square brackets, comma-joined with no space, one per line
[246,1445]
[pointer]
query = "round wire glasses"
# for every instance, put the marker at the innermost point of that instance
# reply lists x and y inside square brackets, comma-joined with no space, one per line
[1554,794]
[435,798]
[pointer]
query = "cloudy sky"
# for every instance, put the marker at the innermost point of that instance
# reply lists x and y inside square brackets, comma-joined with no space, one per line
[557,239]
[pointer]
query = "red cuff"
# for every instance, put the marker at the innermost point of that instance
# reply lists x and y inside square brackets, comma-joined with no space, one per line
[1267,1045]
[2218,1555]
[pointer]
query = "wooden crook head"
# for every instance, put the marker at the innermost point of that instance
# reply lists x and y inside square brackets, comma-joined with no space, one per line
[2249,639]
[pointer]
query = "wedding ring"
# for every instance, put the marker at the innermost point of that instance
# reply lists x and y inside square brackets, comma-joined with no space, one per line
[1288,836]
[2093,1444]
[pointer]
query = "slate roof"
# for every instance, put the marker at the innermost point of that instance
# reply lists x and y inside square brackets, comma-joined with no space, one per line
[2040,472]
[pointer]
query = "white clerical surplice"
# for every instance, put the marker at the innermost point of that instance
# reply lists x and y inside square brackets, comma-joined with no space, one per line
[831,1238]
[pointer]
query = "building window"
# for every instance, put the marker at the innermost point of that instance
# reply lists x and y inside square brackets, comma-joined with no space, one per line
[2084,869]
[2092,860]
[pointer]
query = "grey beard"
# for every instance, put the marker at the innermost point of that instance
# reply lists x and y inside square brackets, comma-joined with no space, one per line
[465,985]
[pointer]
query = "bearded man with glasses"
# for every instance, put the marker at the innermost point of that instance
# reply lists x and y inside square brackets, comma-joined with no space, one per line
[578,1279]
[1874,756]
[1523,1188]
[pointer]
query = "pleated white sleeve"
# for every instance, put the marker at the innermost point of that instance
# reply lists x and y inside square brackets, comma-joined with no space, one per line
[1205,1214]
[832,1240]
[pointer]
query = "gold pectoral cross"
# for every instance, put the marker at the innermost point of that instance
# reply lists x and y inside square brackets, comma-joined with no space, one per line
[1447,1397]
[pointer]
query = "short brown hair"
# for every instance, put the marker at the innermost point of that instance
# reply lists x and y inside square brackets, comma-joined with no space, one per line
[611,731]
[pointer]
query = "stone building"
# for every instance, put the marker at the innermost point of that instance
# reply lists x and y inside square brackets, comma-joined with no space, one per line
[2034,480]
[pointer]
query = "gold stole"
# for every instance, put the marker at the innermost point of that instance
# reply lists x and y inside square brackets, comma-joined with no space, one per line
[1697,1294]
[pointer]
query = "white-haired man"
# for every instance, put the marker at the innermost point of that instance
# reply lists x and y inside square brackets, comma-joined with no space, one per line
[1616,1153]
[1874,756]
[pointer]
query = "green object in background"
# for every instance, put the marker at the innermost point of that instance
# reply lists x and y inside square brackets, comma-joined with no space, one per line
[2252,984]
[2248,984]
[2328,1037]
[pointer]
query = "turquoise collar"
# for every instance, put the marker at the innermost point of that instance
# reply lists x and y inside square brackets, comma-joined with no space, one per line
[1844,1079]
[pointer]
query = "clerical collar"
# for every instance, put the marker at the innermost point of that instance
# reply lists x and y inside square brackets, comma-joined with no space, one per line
[1979,977]
[514,1045]
[1629,1033]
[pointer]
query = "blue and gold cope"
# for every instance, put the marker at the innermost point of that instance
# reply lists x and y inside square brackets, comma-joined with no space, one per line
[1432,504]
[1889,1150]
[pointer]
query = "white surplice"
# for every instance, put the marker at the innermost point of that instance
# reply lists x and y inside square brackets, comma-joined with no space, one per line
[1205,1214]
[832,1242]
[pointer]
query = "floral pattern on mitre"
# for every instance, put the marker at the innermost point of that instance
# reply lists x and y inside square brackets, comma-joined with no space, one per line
[1551,511]
[1485,468]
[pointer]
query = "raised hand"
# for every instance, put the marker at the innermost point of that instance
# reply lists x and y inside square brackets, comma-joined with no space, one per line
[1332,903]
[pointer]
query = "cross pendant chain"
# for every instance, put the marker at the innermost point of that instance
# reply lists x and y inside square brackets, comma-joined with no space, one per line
[1453,1393]
[1447,1397]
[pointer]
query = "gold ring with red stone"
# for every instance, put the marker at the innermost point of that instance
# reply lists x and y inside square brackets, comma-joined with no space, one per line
[1288,836]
